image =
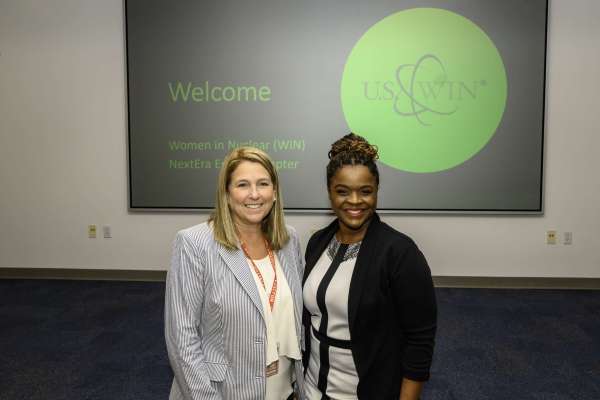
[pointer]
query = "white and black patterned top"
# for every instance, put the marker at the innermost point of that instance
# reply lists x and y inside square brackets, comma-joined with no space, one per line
[331,372]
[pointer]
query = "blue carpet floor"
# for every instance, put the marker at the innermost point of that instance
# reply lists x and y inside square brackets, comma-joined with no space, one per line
[104,340]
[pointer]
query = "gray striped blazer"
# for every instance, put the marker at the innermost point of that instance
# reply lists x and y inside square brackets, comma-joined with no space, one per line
[214,322]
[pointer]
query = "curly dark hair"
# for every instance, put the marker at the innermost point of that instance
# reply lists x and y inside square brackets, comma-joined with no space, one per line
[352,149]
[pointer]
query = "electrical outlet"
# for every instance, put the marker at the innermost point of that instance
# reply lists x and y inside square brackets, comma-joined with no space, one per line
[92,231]
[106,232]
[568,238]
[550,237]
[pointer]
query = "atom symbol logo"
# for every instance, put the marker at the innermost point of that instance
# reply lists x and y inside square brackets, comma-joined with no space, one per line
[417,107]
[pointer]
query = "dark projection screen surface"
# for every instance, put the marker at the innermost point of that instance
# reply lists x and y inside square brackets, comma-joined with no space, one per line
[451,92]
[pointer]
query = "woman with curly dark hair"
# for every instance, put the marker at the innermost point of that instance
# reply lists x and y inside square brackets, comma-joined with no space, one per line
[369,303]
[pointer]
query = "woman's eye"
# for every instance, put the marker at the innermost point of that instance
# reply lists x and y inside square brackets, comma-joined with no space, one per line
[265,183]
[342,192]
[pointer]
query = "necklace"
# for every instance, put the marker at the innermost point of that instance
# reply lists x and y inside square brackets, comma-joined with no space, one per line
[351,251]
[260,277]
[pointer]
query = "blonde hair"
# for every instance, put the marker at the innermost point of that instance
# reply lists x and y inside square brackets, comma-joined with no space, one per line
[273,226]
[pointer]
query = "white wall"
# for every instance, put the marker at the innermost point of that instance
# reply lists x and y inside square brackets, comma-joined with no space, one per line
[63,162]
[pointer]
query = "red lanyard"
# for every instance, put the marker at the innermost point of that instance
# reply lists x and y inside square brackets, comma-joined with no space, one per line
[260,277]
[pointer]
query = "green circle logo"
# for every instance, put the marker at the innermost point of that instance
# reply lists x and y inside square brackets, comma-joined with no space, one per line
[427,86]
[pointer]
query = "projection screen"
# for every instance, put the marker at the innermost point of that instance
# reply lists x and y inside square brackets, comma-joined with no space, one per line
[451,92]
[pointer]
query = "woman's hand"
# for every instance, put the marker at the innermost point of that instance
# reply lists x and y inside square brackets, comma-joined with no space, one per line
[411,390]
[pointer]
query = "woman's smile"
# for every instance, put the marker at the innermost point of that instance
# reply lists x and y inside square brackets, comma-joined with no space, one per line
[353,196]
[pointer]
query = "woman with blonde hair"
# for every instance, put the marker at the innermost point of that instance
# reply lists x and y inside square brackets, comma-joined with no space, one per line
[233,297]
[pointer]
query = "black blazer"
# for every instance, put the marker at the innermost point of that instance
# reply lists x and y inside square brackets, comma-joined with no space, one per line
[391,309]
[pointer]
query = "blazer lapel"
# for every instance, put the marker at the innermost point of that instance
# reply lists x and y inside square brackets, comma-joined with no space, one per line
[236,261]
[285,257]
[320,244]
[361,269]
